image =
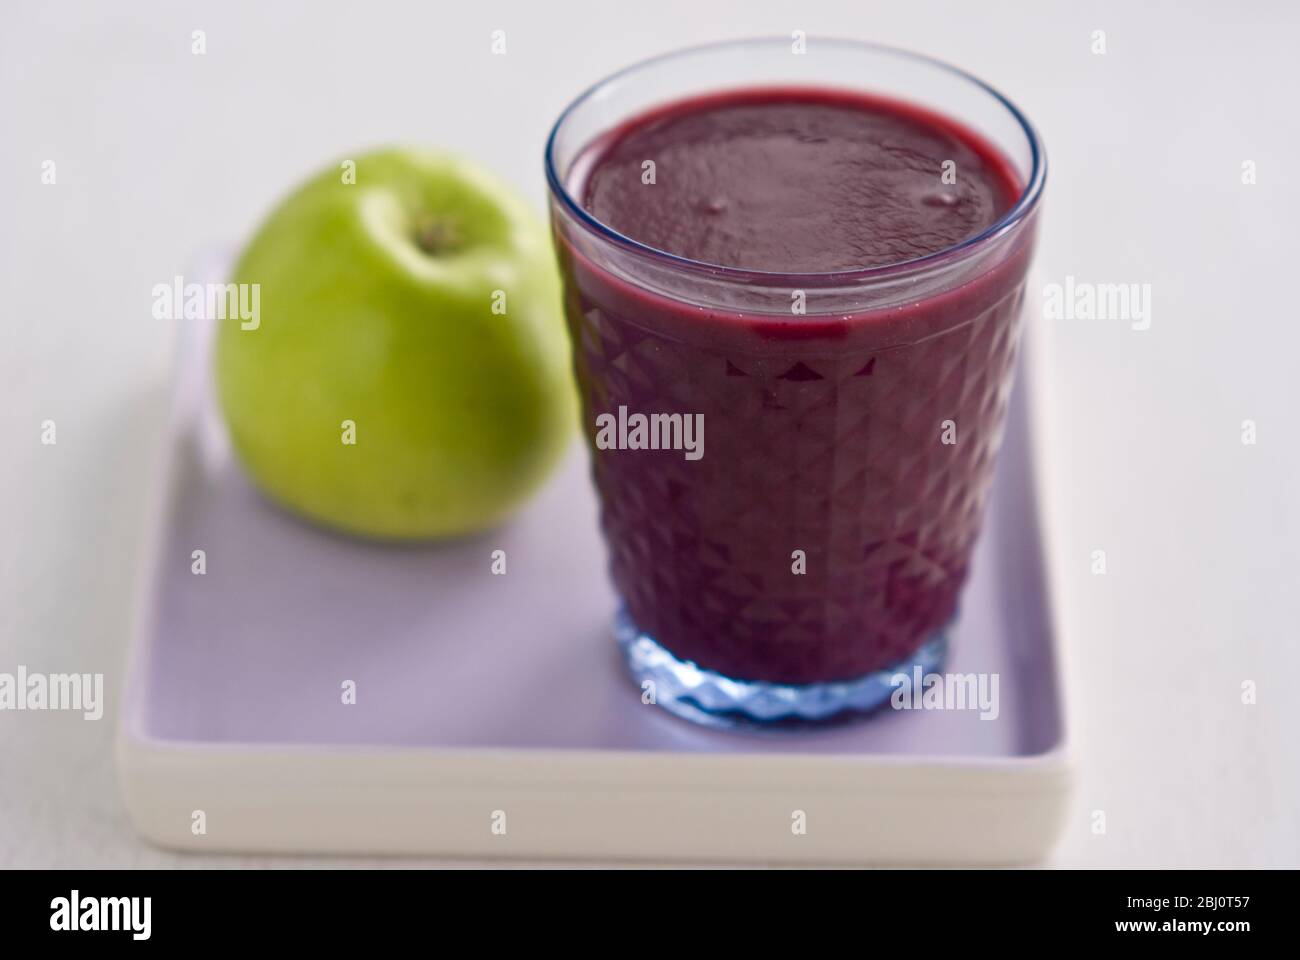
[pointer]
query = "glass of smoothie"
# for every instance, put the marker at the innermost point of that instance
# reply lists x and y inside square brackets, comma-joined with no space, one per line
[793,277]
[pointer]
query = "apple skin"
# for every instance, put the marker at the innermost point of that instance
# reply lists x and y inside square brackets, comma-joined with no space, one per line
[459,412]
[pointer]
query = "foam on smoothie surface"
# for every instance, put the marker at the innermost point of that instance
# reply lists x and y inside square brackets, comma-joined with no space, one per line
[797,181]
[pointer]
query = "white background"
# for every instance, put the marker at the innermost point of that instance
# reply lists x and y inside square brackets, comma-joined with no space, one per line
[161,153]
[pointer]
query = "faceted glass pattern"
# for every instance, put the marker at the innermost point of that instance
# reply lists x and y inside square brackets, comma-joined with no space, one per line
[838,453]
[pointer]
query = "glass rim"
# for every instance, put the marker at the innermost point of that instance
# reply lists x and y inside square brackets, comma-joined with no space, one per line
[1017,213]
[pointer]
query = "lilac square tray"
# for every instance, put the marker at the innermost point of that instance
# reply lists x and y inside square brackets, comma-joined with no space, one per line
[491,714]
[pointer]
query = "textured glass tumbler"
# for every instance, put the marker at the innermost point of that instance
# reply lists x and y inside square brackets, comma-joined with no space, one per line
[819,544]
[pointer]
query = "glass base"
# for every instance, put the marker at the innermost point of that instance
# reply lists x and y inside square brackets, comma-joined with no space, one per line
[706,697]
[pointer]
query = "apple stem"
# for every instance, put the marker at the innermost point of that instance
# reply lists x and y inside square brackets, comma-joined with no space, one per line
[435,236]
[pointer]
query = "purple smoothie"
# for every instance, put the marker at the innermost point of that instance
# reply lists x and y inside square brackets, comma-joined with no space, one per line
[826,530]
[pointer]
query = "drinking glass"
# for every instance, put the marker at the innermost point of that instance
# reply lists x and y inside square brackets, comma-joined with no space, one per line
[819,543]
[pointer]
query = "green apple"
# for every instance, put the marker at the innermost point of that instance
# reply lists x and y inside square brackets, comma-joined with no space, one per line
[408,375]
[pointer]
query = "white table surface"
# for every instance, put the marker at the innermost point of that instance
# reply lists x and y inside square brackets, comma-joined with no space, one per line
[160,152]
